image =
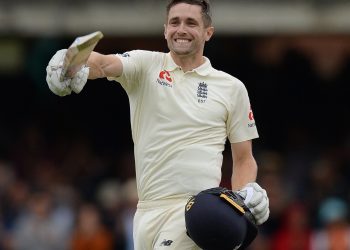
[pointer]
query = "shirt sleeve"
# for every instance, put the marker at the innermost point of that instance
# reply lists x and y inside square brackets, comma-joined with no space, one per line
[240,123]
[134,63]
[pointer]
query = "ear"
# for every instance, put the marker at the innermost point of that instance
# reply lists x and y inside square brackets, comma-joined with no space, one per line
[209,32]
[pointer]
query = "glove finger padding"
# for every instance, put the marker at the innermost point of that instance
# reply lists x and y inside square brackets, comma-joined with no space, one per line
[79,80]
[262,217]
[257,201]
[53,72]
[252,194]
[261,207]
[57,87]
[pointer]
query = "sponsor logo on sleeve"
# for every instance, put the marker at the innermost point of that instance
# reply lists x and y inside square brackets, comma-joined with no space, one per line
[165,79]
[251,124]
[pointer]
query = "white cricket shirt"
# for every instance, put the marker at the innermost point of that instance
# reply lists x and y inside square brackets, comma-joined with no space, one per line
[180,122]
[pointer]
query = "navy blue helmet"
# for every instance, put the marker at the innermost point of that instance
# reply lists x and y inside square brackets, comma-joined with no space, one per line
[217,219]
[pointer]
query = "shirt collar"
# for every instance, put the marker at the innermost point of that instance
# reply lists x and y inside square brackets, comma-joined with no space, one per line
[202,70]
[170,65]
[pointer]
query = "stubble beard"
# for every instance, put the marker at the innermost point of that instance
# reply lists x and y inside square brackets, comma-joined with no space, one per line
[181,51]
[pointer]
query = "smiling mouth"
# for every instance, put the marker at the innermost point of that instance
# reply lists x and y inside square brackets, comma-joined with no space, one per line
[182,41]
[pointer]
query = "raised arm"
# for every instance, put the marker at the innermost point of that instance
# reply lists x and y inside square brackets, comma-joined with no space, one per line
[101,66]
[97,66]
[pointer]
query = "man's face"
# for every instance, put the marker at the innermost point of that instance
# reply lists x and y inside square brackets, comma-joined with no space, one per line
[185,32]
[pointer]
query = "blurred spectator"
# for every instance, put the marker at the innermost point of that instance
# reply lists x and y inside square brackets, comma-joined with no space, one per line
[109,197]
[12,203]
[40,226]
[7,176]
[326,180]
[334,232]
[271,176]
[295,231]
[90,233]
[118,202]
[130,202]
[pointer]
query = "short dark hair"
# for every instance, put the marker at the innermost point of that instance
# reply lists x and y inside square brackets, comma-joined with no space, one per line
[204,4]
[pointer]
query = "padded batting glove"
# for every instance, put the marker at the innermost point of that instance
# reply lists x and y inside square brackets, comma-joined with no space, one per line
[65,87]
[255,198]
[53,72]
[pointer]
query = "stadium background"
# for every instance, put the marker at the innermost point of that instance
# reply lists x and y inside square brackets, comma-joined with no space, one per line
[66,164]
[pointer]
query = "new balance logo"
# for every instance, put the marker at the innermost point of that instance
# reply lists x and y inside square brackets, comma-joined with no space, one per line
[166,243]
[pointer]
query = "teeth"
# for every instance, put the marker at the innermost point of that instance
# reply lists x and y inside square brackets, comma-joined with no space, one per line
[182,40]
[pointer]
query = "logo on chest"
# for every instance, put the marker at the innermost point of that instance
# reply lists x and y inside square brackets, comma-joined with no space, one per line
[165,79]
[202,92]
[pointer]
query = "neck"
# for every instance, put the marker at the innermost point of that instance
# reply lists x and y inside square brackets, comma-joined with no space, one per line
[187,63]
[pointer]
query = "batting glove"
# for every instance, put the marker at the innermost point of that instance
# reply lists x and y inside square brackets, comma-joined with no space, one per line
[79,80]
[257,201]
[53,72]
[65,87]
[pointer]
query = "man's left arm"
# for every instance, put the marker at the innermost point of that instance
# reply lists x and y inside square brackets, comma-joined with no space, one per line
[243,180]
[244,165]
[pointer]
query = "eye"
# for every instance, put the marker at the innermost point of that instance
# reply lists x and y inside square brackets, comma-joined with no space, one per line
[192,23]
[173,22]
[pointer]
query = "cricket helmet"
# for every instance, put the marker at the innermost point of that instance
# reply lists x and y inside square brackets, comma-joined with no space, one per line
[217,218]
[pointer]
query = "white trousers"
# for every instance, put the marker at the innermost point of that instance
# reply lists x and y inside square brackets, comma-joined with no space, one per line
[161,225]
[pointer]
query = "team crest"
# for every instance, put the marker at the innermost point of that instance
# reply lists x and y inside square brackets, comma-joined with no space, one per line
[202,92]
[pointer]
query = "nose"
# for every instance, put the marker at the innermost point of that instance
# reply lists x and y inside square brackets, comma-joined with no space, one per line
[181,29]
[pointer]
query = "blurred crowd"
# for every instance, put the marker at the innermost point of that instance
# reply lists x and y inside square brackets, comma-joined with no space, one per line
[67,169]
